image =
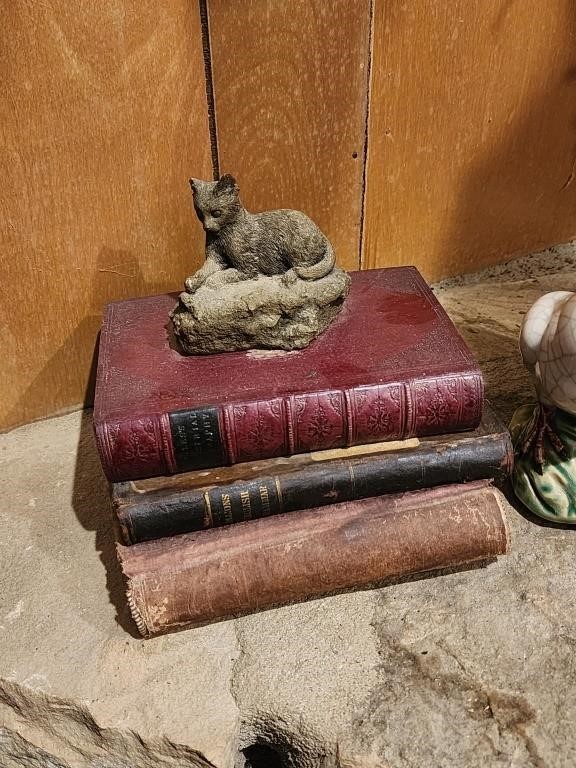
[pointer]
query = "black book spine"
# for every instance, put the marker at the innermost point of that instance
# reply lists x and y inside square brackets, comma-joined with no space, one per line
[196,439]
[430,464]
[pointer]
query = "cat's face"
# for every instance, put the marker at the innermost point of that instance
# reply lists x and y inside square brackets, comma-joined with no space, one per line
[216,202]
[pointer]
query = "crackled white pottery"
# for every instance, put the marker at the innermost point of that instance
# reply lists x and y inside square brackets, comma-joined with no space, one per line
[544,434]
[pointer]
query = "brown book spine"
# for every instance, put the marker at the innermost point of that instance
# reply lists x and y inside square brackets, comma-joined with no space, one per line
[194,578]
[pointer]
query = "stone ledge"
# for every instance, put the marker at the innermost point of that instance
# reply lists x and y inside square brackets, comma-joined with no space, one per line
[471,668]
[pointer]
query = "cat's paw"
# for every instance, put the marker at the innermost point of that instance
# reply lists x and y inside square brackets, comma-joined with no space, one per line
[191,284]
[289,277]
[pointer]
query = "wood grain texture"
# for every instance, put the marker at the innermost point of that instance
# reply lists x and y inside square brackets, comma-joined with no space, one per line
[472,137]
[290,86]
[103,119]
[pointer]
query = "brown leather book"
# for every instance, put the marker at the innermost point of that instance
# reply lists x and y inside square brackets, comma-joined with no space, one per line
[391,366]
[222,572]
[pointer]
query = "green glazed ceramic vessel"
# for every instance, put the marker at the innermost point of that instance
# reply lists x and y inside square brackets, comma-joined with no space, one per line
[544,434]
[549,489]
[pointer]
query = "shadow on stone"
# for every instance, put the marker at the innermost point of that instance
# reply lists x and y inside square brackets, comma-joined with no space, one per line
[91,504]
[270,742]
[262,756]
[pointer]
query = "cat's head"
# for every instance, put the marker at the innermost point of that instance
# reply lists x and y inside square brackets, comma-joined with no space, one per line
[216,202]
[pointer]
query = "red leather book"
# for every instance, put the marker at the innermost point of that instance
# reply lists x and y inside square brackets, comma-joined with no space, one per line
[391,366]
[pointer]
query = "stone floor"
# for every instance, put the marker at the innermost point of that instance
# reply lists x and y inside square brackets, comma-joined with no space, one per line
[474,668]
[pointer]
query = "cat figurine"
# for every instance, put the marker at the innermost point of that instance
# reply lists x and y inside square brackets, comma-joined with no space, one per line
[242,245]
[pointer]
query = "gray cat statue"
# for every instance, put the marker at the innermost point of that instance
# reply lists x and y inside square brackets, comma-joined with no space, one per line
[268,281]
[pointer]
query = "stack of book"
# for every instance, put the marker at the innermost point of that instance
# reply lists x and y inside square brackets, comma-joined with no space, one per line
[246,480]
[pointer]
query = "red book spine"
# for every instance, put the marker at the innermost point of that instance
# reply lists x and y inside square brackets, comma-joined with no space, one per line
[207,437]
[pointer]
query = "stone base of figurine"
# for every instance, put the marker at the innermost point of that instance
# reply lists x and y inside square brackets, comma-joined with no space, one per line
[229,312]
[544,476]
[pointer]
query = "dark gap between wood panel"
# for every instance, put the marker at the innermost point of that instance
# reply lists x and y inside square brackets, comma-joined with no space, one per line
[206,52]
[366,131]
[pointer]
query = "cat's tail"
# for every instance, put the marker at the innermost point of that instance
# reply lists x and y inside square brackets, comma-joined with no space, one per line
[321,268]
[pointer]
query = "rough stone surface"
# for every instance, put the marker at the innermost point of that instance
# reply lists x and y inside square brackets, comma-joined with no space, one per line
[471,668]
[261,313]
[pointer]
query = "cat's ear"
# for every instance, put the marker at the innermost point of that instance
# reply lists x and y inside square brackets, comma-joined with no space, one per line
[227,183]
[194,185]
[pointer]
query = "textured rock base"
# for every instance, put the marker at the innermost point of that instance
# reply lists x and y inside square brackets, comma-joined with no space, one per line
[465,670]
[229,313]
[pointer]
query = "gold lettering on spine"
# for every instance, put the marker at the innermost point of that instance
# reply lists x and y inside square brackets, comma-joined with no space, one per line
[278,493]
[208,518]
[227,507]
[265,499]
[245,501]
[352,480]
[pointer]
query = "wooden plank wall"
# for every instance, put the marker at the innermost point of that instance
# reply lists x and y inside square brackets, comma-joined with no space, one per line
[472,132]
[290,86]
[465,113]
[103,119]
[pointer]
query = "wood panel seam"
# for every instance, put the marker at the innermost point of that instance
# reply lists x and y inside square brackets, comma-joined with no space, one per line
[366,134]
[209,80]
